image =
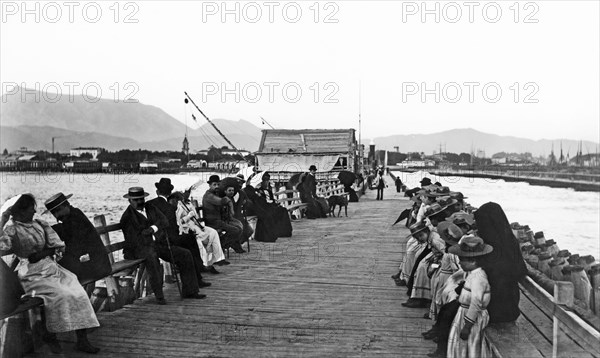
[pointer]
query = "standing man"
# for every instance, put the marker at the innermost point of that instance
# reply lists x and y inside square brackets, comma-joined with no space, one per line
[188,242]
[84,254]
[311,184]
[212,205]
[145,237]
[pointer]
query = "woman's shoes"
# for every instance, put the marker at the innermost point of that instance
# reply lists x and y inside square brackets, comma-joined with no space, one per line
[52,342]
[85,346]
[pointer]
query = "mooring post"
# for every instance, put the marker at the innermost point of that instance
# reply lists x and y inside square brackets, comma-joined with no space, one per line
[563,295]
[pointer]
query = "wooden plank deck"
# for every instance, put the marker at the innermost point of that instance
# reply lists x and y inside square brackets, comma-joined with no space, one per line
[326,291]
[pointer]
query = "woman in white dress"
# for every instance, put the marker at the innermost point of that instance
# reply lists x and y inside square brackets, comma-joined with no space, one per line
[66,304]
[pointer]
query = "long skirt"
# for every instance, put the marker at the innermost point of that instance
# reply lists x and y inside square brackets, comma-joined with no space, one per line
[422,283]
[66,305]
[413,249]
[438,280]
[472,347]
[209,245]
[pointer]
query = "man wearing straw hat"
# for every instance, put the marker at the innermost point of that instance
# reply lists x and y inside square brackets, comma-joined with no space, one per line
[84,254]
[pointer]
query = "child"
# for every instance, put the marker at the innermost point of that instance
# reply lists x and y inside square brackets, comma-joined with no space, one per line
[417,242]
[472,317]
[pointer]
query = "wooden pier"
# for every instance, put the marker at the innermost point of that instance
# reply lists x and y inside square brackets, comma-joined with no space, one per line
[326,291]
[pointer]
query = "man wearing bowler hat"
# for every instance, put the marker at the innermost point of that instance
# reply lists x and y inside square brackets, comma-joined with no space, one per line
[211,205]
[84,254]
[144,225]
[164,188]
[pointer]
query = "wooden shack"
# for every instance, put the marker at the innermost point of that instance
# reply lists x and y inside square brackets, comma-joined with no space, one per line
[285,152]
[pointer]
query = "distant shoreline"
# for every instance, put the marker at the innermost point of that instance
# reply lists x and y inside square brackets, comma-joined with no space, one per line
[577,185]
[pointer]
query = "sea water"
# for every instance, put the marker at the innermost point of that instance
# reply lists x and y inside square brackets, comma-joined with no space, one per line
[571,218]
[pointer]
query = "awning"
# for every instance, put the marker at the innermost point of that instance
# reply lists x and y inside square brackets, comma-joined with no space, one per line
[296,162]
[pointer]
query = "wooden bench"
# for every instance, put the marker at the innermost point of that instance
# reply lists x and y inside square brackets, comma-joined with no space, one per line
[119,266]
[330,190]
[293,203]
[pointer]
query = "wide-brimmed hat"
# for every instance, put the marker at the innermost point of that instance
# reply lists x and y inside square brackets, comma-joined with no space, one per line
[449,232]
[446,201]
[136,192]
[312,167]
[416,228]
[471,246]
[461,218]
[55,201]
[425,181]
[164,185]
[214,179]
[433,209]
[441,191]
[458,195]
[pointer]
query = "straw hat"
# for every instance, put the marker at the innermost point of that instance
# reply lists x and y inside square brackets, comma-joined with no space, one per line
[135,192]
[416,228]
[55,201]
[461,218]
[471,246]
[449,232]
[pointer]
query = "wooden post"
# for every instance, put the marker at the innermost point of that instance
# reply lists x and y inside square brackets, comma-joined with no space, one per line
[595,280]
[563,295]
[112,287]
[581,284]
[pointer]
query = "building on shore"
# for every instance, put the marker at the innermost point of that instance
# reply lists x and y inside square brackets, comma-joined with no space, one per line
[284,152]
[93,152]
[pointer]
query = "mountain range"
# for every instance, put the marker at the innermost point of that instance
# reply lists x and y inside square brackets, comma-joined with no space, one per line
[28,121]
[469,140]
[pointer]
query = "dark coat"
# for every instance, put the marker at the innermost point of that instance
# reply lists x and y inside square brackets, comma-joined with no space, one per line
[504,266]
[170,213]
[133,223]
[310,183]
[81,238]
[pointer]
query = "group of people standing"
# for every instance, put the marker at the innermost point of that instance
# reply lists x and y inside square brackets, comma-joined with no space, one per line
[463,264]
[53,260]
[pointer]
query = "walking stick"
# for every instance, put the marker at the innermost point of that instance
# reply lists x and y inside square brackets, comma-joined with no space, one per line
[172,269]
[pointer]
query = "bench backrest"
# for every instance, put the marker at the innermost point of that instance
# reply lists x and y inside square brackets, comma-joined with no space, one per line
[103,230]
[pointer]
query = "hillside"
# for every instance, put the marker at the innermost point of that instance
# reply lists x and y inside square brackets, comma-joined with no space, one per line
[466,140]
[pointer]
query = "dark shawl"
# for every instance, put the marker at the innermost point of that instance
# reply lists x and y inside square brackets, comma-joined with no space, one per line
[504,266]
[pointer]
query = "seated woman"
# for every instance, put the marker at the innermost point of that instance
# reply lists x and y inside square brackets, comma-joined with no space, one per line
[207,238]
[273,220]
[66,305]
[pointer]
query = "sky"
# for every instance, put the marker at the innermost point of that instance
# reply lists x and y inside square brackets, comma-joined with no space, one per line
[527,69]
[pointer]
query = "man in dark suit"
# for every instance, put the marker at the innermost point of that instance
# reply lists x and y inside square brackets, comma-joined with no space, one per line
[144,228]
[164,188]
[311,183]
[84,254]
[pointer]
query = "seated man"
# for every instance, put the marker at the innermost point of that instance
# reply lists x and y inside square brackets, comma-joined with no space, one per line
[84,254]
[212,204]
[207,238]
[164,188]
[143,226]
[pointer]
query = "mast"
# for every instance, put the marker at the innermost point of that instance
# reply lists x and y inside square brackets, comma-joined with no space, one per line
[360,148]
[214,126]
